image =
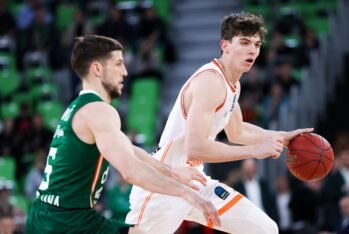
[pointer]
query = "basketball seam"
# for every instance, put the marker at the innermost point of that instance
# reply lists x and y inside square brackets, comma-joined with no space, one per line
[326,157]
[315,169]
[303,164]
[304,135]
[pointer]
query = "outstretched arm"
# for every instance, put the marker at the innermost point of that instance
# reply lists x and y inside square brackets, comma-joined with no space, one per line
[104,124]
[184,175]
[244,133]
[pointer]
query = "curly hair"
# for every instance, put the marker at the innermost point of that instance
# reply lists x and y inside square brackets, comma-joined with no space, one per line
[244,24]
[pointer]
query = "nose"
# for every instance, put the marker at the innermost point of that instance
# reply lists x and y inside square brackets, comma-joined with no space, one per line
[253,49]
[124,72]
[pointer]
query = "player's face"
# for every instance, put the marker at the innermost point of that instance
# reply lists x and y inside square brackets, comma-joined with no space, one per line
[114,72]
[243,51]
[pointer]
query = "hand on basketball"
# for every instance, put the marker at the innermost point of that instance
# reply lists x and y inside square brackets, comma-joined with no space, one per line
[205,206]
[288,136]
[186,175]
[271,147]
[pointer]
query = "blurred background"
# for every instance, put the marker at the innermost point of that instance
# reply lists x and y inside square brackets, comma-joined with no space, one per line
[299,80]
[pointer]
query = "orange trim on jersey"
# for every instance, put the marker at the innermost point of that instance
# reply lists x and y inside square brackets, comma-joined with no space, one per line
[147,199]
[215,62]
[226,207]
[95,177]
[187,86]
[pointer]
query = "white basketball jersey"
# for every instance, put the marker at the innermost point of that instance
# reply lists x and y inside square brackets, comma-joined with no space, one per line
[175,125]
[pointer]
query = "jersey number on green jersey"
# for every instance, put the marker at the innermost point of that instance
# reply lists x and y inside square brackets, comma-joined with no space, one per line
[48,169]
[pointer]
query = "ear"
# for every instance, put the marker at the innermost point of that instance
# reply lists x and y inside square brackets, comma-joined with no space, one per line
[96,69]
[224,46]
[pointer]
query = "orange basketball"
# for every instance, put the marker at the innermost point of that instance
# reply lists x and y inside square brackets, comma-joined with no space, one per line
[309,157]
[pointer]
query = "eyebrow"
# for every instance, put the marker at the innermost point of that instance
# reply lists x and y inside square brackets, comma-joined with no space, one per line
[119,60]
[246,39]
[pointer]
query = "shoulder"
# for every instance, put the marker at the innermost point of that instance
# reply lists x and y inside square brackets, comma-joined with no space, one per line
[208,79]
[98,112]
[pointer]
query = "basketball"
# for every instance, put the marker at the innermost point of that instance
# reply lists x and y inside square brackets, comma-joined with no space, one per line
[309,157]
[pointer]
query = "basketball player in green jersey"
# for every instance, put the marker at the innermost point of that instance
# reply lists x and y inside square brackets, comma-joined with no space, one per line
[87,139]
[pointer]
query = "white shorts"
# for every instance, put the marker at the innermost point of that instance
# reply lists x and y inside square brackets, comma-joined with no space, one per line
[160,214]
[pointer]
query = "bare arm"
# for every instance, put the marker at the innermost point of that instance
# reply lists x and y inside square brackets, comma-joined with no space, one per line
[183,175]
[104,123]
[244,133]
[207,92]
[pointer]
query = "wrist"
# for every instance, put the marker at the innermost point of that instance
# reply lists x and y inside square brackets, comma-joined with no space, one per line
[251,151]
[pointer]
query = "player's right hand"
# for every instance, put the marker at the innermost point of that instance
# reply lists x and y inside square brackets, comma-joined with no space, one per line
[206,207]
[271,147]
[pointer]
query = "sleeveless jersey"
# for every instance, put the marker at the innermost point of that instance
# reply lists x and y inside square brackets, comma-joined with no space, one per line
[175,125]
[75,171]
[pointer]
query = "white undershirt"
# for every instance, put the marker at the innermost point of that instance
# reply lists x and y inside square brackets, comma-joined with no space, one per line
[283,201]
[253,192]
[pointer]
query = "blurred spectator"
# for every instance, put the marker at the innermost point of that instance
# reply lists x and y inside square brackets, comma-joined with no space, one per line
[79,27]
[305,205]
[152,28]
[39,32]
[5,190]
[8,138]
[343,225]
[290,23]
[40,135]
[272,104]
[256,189]
[336,186]
[35,175]
[7,222]
[24,126]
[7,22]
[249,108]
[253,84]
[14,215]
[117,27]
[283,75]
[136,138]
[341,141]
[309,43]
[278,47]
[27,12]
[148,60]
[283,197]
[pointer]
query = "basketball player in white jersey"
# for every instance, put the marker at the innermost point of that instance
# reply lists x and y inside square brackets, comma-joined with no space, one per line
[207,104]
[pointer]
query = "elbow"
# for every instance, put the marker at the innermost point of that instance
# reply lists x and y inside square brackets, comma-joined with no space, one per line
[130,177]
[194,151]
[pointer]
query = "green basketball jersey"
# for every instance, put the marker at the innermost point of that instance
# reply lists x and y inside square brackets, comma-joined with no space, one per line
[75,171]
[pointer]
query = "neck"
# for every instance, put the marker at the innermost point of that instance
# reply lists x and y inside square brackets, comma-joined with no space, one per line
[98,89]
[232,75]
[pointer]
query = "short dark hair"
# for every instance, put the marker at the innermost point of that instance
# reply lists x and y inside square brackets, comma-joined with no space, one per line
[245,24]
[89,48]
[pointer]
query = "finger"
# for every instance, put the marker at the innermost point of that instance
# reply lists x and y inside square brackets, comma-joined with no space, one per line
[193,186]
[199,174]
[216,220]
[201,178]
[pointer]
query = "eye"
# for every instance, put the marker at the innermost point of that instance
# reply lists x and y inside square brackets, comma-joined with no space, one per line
[258,45]
[244,43]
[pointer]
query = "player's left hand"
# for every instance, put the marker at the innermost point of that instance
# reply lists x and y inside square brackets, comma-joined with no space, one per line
[186,175]
[288,136]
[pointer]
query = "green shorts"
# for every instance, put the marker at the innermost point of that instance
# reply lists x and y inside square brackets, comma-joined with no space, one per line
[45,218]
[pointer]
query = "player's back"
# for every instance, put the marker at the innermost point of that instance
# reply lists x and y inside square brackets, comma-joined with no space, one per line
[75,171]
